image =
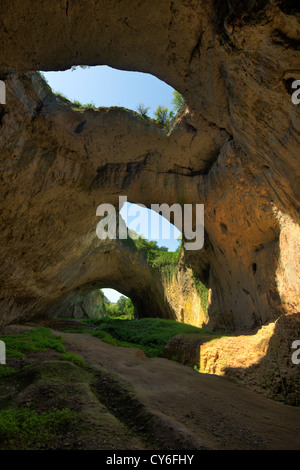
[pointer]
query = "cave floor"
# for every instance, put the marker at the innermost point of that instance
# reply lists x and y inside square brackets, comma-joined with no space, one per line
[127,401]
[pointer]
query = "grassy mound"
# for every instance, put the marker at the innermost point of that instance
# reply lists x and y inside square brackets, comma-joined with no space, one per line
[26,429]
[38,339]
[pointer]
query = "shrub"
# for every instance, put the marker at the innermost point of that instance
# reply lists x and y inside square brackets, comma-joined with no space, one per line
[78,103]
[163,116]
[177,101]
[143,110]
[61,96]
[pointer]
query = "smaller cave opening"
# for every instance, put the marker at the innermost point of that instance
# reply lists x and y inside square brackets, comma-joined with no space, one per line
[116,305]
[89,303]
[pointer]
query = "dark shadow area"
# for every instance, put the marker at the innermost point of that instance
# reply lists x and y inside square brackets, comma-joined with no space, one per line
[289,7]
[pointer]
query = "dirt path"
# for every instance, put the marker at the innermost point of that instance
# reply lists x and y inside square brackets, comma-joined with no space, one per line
[193,410]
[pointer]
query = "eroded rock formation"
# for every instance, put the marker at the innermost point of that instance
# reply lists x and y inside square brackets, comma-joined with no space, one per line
[235,149]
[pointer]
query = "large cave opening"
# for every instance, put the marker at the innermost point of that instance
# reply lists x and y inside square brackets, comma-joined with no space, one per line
[104,86]
[133,275]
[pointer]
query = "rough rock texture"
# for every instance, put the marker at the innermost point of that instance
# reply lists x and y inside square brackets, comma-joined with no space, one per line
[236,149]
[181,294]
[56,196]
[121,266]
[79,303]
[261,359]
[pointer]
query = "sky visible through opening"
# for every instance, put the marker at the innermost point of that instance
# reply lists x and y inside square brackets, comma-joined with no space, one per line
[148,220]
[105,86]
[112,294]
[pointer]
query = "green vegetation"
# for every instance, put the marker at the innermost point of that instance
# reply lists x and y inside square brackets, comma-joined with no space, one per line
[75,103]
[74,67]
[39,339]
[25,429]
[85,106]
[5,371]
[143,110]
[123,308]
[74,358]
[162,115]
[61,96]
[177,101]
[158,257]
[78,103]
[148,334]
[203,291]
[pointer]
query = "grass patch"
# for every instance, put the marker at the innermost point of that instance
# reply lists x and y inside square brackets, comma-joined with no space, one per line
[74,358]
[5,371]
[148,334]
[24,429]
[39,339]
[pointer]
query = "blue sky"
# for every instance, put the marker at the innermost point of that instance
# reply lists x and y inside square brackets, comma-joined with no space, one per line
[150,225]
[104,86]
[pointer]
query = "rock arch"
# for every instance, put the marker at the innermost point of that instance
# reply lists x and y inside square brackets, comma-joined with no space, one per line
[233,143]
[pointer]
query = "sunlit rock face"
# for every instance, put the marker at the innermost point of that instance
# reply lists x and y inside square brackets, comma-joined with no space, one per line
[234,148]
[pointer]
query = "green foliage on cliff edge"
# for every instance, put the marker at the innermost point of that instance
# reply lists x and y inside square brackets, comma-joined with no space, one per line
[158,257]
[162,116]
[202,291]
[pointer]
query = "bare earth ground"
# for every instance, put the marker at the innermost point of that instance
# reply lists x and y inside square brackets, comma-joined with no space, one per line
[157,403]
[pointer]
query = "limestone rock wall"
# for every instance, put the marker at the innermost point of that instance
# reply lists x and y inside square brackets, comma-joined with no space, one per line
[181,294]
[79,303]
